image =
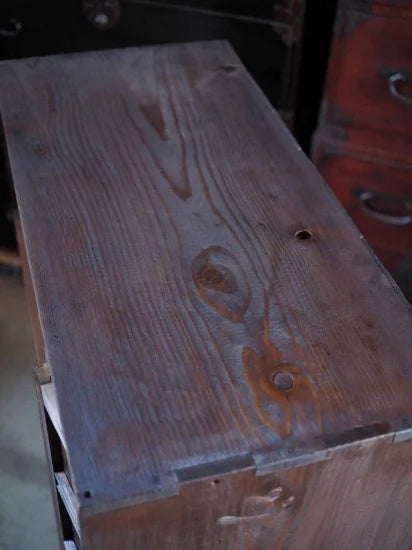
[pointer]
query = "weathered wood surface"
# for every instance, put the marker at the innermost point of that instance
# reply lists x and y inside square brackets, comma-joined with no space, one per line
[360,498]
[160,198]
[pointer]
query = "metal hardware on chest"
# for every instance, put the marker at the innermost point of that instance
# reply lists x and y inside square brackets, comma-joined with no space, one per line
[102,14]
[393,84]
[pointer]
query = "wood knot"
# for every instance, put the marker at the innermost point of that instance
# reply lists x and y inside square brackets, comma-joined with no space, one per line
[221,282]
[216,277]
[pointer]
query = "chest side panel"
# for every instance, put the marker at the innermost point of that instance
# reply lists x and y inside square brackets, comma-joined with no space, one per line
[358,498]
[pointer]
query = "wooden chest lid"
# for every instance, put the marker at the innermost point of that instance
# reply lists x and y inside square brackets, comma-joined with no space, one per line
[206,303]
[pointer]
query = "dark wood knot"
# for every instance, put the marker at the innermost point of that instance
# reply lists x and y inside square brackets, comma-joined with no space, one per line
[221,282]
[216,277]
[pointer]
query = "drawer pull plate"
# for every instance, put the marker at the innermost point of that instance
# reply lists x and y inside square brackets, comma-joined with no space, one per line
[393,82]
[366,199]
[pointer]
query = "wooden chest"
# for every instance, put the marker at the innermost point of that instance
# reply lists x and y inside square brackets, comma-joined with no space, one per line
[363,146]
[223,362]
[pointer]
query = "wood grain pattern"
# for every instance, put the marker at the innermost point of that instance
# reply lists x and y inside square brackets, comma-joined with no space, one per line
[161,200]
[70,502]
[359,498]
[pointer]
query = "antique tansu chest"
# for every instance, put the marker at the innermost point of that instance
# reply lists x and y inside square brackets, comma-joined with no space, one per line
[223,363]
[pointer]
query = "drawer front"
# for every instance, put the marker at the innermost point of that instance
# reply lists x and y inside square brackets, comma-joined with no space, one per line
[378,197]
[370,74]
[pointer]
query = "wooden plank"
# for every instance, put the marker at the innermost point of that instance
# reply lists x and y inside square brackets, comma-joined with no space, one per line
[69,499]
[184,252]
[357,499]
[48,393]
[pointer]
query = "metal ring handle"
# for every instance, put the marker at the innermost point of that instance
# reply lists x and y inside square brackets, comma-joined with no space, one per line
[11,28]
[365,198]
[393,81]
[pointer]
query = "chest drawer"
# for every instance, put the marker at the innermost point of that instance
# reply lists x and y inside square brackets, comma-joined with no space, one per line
[370,74]
[378,197]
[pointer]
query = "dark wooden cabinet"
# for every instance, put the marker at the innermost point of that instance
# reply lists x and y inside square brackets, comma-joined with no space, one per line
[363,145]
[223,363]
[374,193]
[362,89]
[377,195]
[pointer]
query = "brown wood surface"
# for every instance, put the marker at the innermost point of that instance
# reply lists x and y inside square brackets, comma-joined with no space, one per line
[348,173]
[71,504]
[364,139]
[160,196]
[389,8]
[366,51]
[358,499]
